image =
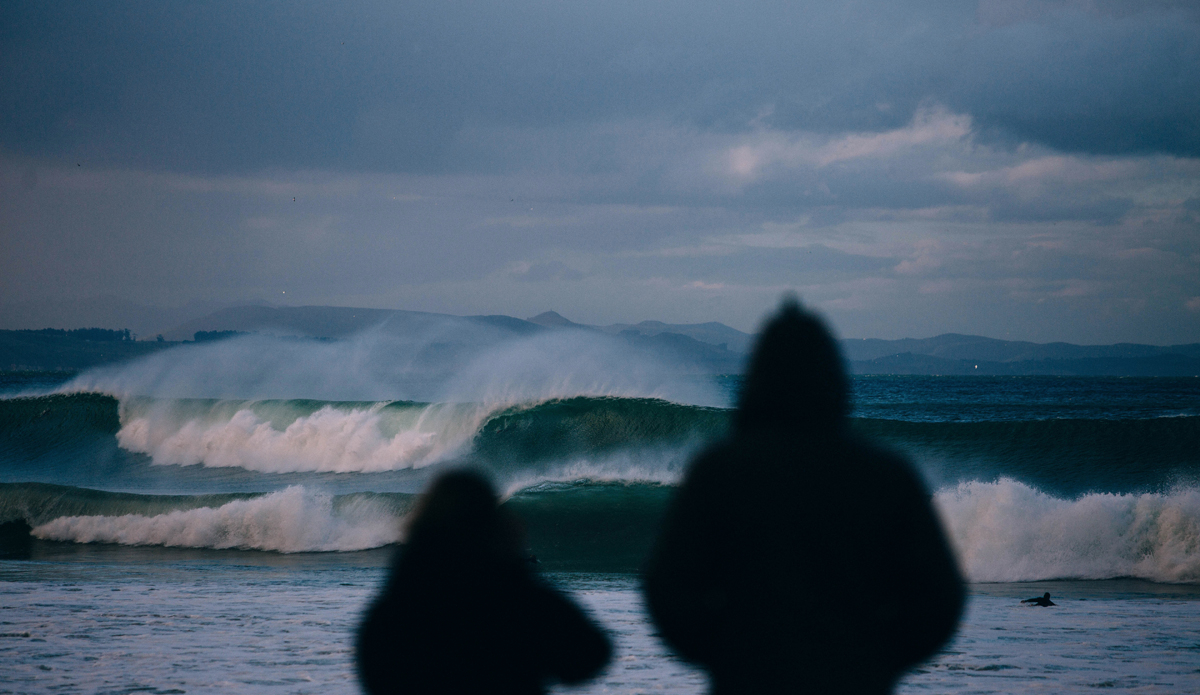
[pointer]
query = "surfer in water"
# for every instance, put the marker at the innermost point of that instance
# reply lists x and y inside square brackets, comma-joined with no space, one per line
[792,508]
[1043,600]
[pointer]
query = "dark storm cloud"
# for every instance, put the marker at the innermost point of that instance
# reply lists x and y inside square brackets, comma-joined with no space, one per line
[1101,81]
[224,86]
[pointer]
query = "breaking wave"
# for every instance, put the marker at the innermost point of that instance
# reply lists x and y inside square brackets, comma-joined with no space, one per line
[1023,500]
[311,436]
[289,521]
[1007,531]
[284,437]
[1003,531]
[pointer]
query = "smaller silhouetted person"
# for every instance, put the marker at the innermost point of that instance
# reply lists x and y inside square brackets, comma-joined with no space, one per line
[16,543]
[1043,600]
[790,510]
[463,613]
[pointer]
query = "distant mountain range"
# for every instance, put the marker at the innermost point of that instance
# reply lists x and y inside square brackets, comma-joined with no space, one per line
[953,353]
[698,348]
[712,333]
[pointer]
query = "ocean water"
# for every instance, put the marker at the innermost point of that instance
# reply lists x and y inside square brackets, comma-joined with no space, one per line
[101,620]
[221,530]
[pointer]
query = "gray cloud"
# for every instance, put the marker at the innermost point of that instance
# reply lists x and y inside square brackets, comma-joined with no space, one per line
[728,263]
[1014,167]
[1100,82]
[542,272]
[224,86]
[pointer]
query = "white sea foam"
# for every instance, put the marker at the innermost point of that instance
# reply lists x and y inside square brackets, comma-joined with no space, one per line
[429,366]
[331,439]
[291,521]
[1007,531]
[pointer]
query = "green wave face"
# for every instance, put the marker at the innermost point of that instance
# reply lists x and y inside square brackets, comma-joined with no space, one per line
[97,441]
[1065,457]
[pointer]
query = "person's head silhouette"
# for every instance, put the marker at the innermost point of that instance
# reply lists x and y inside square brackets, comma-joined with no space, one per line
[461,513]
[796,377]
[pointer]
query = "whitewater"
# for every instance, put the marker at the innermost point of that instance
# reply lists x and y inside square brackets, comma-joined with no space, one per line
[258,464]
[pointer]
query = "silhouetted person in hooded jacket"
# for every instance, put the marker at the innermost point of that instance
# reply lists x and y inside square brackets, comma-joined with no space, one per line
[462,612]
[796,557]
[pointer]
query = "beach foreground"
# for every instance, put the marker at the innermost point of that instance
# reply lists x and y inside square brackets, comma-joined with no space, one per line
[115,619]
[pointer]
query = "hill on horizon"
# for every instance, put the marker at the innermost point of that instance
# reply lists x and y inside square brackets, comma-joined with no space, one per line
[710,347]
[721,347]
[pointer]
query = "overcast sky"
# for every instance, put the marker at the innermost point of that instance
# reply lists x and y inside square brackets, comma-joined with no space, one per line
[1023,169]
